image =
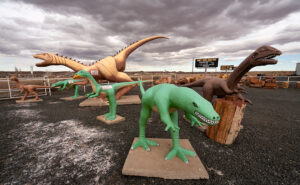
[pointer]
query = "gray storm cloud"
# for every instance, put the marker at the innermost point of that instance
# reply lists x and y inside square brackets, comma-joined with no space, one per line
[86,29]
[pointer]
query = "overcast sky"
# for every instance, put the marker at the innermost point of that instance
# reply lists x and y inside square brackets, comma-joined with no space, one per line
[88,30]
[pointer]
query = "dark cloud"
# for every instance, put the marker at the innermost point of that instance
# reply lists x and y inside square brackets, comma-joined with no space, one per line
[81,29]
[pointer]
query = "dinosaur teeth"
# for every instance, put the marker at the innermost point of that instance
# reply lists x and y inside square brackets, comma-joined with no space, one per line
[211,122]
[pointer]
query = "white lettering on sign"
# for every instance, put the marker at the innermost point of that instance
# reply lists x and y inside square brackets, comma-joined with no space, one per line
[94,72]
[71,81]
[106,87]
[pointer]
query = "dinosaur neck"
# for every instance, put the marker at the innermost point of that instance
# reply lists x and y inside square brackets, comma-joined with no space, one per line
[92,80]
[238,73]
[57,60]
[122,55]
[178,98]
[19,84]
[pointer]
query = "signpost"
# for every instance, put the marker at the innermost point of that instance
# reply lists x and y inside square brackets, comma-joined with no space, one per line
[206,62]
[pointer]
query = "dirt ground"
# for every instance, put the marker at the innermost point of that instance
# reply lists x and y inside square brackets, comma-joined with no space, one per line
[57,142]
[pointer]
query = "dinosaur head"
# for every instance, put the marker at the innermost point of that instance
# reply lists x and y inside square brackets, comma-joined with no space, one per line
[82,74]
[264,55]
[13,78]
[199,107]
[47,57]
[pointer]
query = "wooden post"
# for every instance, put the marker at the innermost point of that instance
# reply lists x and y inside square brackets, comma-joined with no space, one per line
[231,110]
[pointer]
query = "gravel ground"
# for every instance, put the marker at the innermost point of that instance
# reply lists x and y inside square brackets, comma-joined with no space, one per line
[57,142]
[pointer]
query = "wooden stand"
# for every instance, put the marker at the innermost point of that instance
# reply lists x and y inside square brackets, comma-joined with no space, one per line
[231,110]
[118,119]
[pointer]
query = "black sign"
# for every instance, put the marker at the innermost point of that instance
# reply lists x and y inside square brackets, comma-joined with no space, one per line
[206,62]
[227,67]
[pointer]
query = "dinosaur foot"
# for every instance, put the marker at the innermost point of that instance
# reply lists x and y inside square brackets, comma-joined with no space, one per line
[74,96]
[109,116]
[180,152]
[144,142]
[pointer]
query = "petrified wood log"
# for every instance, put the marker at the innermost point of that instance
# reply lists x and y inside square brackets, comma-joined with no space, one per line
[285,85]
[297,85]
[231,109]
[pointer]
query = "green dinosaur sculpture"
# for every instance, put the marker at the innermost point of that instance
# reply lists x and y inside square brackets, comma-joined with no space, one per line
[108,90]
[68,83]
[167,99]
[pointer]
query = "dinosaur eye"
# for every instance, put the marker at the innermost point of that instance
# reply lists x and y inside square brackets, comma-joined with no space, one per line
[254,55]
[195,105]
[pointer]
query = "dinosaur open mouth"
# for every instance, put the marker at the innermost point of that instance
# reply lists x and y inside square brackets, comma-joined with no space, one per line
[205,120]
[41,64]
[269,58]
[41,57]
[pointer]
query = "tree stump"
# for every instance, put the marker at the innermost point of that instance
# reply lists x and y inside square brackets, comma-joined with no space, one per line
[231,109]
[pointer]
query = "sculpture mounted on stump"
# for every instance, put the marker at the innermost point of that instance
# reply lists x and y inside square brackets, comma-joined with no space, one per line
[222,87]
[230,103]
[27,88]
[166,99]
[110,68]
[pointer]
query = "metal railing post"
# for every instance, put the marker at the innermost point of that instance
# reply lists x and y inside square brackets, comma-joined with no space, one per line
[48,80]
[9,88]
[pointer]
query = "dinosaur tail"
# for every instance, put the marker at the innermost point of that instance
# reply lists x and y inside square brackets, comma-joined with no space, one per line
[122,55]
[42,86]
[124,84]
[198,83]
[141,87]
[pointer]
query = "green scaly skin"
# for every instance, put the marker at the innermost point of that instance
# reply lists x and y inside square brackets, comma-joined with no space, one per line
[110,91]
[68,83]
[166,97]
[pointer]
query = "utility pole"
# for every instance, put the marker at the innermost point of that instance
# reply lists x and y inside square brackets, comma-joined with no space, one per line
[193,65]
[206,64]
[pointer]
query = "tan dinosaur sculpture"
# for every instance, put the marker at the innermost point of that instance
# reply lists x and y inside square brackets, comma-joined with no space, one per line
[110,68]
[27,88]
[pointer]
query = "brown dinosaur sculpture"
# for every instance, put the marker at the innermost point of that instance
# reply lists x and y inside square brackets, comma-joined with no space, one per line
[27,88]
[222,87]
[110,68]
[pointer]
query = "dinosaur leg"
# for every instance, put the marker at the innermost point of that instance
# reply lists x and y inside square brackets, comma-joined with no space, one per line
[193,120]
[76,87]
[123,91]
[207,93]
[25,95]
[225,88]
[176,149]
[112,106]
[143,141]
[123,77]
[89,94]
[239,95]
[35,94]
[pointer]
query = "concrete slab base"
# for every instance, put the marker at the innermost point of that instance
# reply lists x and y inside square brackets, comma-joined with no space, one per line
[124,100]
[153,164]
[72,99]
[29,100]
[118,119]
